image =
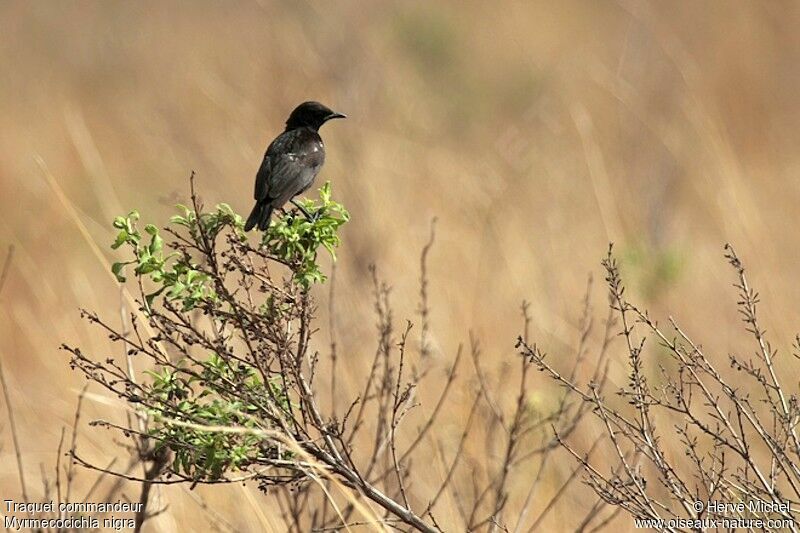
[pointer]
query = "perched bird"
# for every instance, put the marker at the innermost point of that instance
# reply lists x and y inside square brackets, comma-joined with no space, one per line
[291,163]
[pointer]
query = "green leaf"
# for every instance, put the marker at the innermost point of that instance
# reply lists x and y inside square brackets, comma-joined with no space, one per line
[117,268]
[149,298]
[156,244]
[121,239]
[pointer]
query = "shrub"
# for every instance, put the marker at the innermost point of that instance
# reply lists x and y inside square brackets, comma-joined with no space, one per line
[737,434]
[224,328]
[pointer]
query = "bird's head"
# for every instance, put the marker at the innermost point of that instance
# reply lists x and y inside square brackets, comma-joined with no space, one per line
[310,115]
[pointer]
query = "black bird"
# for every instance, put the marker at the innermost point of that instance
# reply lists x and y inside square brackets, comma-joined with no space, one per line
[291,163]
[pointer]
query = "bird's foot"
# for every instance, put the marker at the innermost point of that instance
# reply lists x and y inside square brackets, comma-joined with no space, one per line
[312,217]
[286,214]
[309,216]
[316,215]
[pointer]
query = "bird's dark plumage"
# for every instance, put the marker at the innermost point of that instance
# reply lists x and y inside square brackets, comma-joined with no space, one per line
[291,163]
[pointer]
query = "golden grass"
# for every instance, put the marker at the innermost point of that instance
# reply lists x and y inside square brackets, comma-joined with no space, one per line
[535,132]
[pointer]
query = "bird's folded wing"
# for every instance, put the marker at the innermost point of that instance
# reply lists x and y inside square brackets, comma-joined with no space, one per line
[277,175]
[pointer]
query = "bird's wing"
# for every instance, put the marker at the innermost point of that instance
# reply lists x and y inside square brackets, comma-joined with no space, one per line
[286,169]
[274,175]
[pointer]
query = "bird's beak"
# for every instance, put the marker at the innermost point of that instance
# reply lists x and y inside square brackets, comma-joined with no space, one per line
[336,115]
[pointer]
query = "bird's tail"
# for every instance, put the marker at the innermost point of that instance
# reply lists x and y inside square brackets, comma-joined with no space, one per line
[259,216]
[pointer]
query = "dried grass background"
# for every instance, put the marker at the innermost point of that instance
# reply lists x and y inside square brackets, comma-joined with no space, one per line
[535,132]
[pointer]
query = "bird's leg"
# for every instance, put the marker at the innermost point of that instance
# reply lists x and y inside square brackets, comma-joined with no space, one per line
[309,216]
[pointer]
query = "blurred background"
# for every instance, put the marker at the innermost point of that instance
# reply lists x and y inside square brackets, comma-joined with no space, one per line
[535,132]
